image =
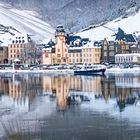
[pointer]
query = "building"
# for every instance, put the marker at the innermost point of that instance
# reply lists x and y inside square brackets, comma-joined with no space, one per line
[120,43]
[19,48]
[56,52]
[70,49]
[133,58]
[108,51]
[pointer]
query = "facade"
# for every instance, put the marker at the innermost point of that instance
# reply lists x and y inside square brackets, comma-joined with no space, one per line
[119,44]
[108,51]
[133,58]
[91,54]
[56,53]
[19,48]
[70,50]
[3,54]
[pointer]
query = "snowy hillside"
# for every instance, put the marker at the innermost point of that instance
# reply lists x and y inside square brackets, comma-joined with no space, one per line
[130,24]
[24,22]
[75,14]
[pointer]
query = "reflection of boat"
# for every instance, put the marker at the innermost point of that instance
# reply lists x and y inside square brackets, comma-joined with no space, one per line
[90,70]
[73,99]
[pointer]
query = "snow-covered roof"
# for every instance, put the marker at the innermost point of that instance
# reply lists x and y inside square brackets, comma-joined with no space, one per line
[91,45]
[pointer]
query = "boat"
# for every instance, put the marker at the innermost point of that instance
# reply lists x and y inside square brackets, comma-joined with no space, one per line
[90,70]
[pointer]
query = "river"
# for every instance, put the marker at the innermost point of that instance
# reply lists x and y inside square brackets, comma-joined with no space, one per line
[67,107]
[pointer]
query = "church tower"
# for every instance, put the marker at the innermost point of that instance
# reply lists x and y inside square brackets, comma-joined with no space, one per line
[61,49]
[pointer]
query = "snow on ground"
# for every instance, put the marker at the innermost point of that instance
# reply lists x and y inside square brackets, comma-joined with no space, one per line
[24,22]
[129,24]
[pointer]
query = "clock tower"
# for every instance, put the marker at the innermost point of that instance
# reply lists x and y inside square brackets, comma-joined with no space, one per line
[60,34]
[61,49]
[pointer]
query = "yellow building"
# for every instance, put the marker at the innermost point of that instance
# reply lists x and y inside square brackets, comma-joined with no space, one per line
[56,53]
[70,50]
[91,53]
[19,48]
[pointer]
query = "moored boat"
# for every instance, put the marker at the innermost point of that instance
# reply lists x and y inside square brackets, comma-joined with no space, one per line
[90,70]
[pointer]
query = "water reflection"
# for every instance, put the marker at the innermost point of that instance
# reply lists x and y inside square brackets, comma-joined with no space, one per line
[38,96]
[21,90]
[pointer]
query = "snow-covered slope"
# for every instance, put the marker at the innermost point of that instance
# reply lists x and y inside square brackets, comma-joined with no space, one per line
[25,22]
[130,24]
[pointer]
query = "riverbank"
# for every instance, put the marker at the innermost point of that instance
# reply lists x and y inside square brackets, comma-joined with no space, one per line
[71,71]
[123,70]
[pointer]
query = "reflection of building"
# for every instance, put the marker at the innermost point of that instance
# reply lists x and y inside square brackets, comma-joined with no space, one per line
[125,89]
[4,88]
[20,90]
[108,88]
[62,87]
[127,81]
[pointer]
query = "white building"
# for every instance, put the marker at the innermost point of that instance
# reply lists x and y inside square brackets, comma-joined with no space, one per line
[133,58]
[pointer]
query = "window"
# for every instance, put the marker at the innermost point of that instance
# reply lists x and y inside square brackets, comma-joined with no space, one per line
[105,53]
[73,60]
[46,55]
[58,50]
[105,47]
[58,61]
[111,53]
[58,55]
[111,47]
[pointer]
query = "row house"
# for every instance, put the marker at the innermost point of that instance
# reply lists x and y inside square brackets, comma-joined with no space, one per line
[69,49]
[3,52]
[19,48]
[120,43]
